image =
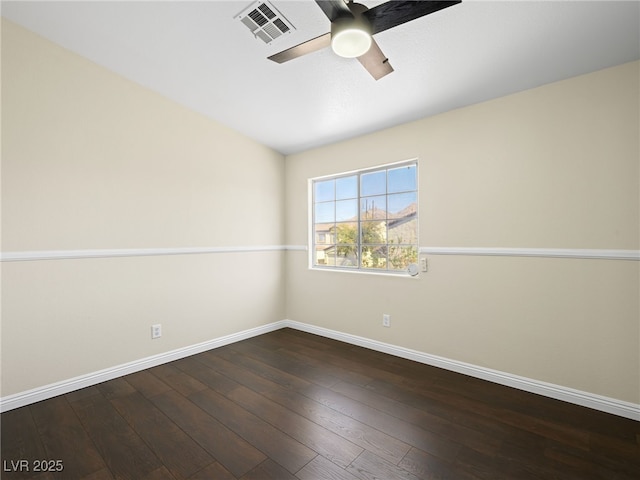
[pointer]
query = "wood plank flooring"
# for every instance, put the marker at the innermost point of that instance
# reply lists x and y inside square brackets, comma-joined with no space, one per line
[290,405]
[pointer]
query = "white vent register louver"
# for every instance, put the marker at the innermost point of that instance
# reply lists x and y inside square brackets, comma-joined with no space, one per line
[264,21]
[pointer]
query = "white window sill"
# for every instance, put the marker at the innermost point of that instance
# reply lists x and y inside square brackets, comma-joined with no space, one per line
[399,274]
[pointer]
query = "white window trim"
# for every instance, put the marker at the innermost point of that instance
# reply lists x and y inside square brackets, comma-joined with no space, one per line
[311,221]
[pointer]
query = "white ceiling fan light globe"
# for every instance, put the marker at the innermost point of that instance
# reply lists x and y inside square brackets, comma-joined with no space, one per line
[351,42]
[351,35]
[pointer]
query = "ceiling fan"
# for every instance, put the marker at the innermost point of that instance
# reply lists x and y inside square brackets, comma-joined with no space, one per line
[352,27]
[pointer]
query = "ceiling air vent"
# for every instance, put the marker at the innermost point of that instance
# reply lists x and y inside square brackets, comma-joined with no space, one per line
[264,21]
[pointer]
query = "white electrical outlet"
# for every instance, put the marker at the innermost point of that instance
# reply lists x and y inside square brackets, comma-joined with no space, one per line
[386,320]
[156,331]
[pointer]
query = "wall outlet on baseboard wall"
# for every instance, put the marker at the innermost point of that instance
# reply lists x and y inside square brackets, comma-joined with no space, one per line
[386,320]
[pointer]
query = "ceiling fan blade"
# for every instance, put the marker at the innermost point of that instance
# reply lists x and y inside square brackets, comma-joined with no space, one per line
[394,13]
[375,62]
[309,46]
[334,9]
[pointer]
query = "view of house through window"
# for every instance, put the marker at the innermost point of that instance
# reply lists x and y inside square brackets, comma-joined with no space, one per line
[366,220]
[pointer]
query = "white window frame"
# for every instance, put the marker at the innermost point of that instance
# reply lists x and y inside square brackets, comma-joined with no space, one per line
[359,173]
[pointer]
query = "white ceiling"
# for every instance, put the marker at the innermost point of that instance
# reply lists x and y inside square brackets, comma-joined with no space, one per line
[199,55]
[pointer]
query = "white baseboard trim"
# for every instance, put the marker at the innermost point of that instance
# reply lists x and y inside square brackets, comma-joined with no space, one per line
[28,397]
[585,399]
[578,397]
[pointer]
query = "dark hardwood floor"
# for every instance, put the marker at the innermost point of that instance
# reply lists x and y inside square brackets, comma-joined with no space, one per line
[289,405]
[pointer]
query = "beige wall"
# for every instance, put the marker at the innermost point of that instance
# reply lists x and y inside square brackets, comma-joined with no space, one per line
[553,167]
[93,161]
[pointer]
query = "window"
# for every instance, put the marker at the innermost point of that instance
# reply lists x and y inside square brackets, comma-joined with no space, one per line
[366,220]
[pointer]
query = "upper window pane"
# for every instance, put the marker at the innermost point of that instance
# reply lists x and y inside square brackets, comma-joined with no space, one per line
[347,187]
[325,212]
[346,210]
[325,191]
[373,207]
[402,179]
[374,183]
[402,204]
